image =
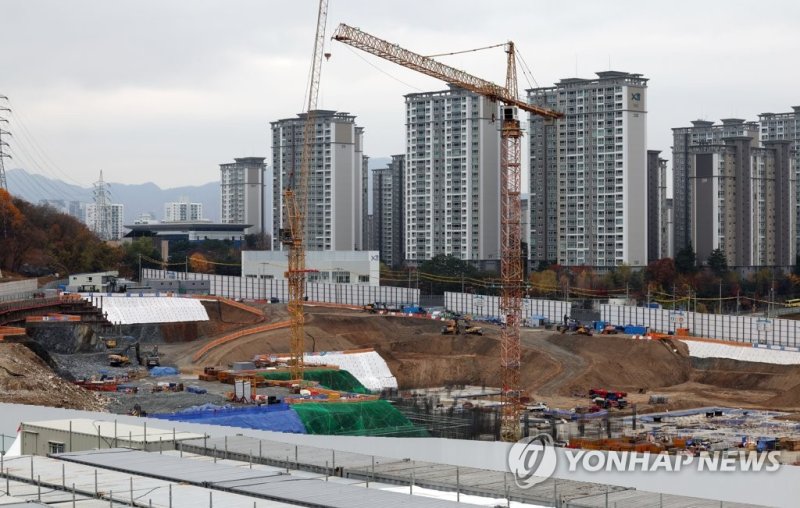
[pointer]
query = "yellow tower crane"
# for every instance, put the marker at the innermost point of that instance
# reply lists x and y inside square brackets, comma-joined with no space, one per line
[295,200]
[511,272]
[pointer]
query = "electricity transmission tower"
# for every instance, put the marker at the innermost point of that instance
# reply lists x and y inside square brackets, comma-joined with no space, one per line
[102,209]
[3,144]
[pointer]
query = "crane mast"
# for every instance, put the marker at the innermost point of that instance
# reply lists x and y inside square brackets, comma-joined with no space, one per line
[295,198]
[511,272]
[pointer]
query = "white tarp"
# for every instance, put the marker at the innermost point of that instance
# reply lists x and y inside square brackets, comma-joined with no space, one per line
[745,354]
[368,367]
[135,310]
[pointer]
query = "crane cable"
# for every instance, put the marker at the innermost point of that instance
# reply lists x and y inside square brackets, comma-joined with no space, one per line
[467,50]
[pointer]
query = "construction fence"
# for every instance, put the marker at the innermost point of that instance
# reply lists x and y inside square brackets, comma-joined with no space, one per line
[754,330]
[18,289]
[489,306]
[252,288]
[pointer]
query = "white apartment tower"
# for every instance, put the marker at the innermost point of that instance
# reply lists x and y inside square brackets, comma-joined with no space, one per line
[106,220]
[242,188]
[588,180]
[335,197]
[452,179]
[183,211]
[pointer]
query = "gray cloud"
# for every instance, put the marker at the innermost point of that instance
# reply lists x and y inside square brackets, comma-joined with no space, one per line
[165,91]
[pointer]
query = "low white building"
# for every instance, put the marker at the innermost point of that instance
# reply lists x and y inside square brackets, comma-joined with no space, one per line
[59,436]
[342,267]
[92,282]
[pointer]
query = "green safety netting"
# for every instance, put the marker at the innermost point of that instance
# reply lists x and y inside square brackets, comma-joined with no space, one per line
[339,380]
[369,418]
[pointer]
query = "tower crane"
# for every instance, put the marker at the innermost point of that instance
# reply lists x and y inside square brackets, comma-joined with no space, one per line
[295,199]
[511,272]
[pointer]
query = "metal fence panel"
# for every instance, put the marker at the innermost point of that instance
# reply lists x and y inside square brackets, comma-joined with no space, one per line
[251,288]
[771,331]
[489,306]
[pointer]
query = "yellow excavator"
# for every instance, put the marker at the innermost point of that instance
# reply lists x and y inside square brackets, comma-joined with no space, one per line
[460,326]
[120,357]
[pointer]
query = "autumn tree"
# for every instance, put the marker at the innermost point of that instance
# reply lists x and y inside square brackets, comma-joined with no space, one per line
[661,272]
[199,263]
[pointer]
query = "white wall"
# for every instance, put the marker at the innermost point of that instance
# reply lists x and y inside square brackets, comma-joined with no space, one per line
[272,264]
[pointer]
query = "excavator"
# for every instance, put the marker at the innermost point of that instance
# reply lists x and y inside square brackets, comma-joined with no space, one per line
[460,326]
[120,357]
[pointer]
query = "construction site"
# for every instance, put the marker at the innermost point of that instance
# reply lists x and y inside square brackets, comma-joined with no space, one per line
[369,373]
[434,381]
[280,400]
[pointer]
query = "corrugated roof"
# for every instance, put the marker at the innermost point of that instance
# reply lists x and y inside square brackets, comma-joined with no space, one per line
[117,483]
[109,430]
[271,485]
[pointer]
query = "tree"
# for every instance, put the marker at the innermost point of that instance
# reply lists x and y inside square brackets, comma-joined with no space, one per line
[685,261]
[131,254]
[199,263]
[661,272]
[717,262]
[442,267]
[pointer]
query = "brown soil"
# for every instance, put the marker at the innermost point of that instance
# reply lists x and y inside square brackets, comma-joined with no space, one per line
[558,369]
[26,379]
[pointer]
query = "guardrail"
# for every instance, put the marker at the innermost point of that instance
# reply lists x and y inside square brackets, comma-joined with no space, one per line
[237,335]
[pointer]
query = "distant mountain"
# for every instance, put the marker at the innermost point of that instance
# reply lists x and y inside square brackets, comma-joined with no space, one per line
[138,199]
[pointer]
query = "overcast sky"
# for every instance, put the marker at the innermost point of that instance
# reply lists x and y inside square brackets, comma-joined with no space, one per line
[165,90]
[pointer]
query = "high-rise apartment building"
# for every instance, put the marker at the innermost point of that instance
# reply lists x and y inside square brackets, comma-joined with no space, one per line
[335,198]
[588,182]
[786,126]
[657,233]
[183,211]
[242,188]
[106,220]
[743,200]
[366,225]
[702,132]
[387,211]
[452,180]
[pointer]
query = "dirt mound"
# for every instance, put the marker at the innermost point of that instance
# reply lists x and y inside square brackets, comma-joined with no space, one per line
[26,379]
[555,367]
[621,363]
[789,399]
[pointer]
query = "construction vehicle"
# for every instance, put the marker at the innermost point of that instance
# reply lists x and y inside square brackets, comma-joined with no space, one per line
[121,358]
[376,307]
[583,330]
[110,342]
[460,326]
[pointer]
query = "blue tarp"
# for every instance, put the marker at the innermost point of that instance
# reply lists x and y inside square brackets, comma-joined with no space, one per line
[276,417]
[163,371]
